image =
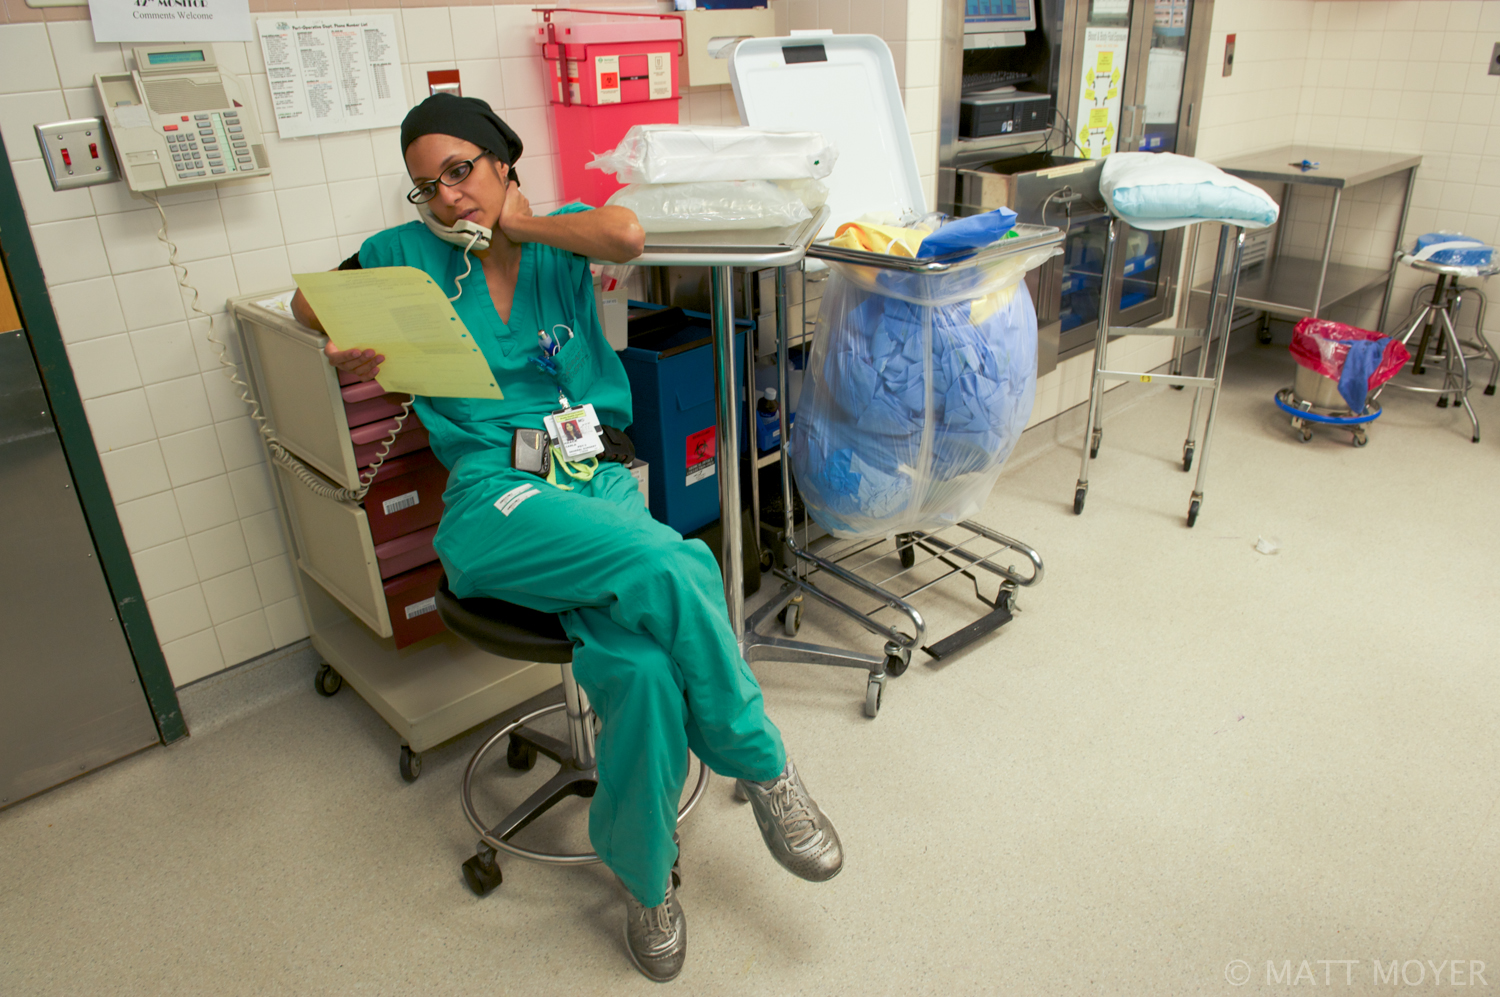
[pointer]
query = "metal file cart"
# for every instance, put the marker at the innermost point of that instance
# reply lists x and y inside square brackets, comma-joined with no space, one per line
[430,691]
[885,576]
[1295,287]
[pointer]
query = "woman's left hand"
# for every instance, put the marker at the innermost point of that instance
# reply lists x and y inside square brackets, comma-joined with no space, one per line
[515,212]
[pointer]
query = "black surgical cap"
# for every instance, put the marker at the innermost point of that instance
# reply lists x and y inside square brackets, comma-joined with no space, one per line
[468,118]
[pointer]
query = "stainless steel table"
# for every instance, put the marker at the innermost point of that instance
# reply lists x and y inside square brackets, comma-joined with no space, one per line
[721,252]
[1291,286]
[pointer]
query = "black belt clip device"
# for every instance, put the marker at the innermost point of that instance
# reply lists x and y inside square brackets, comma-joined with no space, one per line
[531,451]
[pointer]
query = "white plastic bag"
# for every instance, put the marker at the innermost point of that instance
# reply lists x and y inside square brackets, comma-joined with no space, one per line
[687,153]
[713,206]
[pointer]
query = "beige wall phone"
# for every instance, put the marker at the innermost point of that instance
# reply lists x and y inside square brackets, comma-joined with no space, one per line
[178,121]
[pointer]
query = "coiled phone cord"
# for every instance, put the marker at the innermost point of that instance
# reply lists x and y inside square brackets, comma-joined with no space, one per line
[314,481]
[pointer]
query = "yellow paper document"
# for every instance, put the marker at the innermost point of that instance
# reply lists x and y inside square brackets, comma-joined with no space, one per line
[401,313]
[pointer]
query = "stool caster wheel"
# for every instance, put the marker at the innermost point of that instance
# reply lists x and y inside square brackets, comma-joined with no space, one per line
[906,549]
[1187,458]
[481,873]
[1193,512]
[791,618]
[1078,498]
[519,755]
[1442,402]
[328,682]
[874,690]
[1360,437]
[410,764]
[897,658]
[1489,389]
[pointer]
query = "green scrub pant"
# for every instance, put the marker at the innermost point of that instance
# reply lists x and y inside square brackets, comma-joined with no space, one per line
[653,647]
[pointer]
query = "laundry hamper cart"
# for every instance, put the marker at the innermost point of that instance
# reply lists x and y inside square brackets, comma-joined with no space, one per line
[1338,368]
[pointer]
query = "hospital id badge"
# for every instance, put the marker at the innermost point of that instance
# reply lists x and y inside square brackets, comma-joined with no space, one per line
[577,431]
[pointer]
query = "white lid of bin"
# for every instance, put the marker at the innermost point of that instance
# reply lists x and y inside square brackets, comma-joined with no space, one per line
[845,87]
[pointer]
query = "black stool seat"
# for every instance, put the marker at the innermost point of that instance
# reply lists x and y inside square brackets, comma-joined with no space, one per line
[503,628]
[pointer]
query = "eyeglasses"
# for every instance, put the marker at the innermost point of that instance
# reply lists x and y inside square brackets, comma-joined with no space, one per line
[452,177]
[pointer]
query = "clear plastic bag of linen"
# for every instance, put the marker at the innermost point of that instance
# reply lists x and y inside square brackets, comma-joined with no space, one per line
[918,388]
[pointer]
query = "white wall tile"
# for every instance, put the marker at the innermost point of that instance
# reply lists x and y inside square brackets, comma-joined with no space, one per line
[191,457]
[474,35]
[164,569]
[103,366]
[19,112]
[83,103]
[122,420]
[386,143]
[311,257]
[179,405]
[921,63]
[150,521]
[252,490]
[395,208]
[263,537]
[356,206]
[205,504]
[135,472]
[483,79]
[286,622]
[348,156]
[233,57]
[77,57]
[231,595]
[429,34]
[130,240]
[262,270]
[224,399]
[252,221]
[70,250]
[193,657]
[515,28]
[197,229]
[177,614]
[274,579]
[306,213]
[87,310]
[295,162]
[149,298]
[522,81]
[28,61]
[41,202]
[240,443]
[244,638]
[215,281]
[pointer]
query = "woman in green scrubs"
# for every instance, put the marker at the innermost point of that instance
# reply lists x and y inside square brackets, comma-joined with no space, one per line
[653,646]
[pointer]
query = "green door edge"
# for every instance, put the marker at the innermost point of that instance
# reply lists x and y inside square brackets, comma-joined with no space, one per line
[83,458]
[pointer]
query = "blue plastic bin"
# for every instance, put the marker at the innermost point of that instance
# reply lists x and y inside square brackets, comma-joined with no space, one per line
[671,373]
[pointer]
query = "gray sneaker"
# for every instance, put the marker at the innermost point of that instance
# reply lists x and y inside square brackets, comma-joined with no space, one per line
[799,835]
[656,937]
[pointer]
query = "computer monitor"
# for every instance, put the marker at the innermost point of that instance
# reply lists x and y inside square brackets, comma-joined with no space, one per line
[998,23]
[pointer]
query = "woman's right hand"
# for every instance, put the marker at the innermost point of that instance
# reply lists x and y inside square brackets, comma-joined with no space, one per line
[364,364]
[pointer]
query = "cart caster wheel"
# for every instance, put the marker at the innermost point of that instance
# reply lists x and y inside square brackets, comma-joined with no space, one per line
[410,764]
[328,682]
[1306,434]
[482,876]
[1187,459]
[1263,337]
[873,693]
[767,560]
[906,547]
[519,755]
[791,618]
[1193,512]
[897,658]
[1078,498]
[1489,389]
[1360,438]
[1442,402]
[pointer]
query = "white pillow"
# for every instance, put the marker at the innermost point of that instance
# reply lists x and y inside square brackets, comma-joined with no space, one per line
[1161,190]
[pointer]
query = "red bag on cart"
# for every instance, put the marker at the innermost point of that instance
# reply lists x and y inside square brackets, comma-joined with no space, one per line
[1325,347]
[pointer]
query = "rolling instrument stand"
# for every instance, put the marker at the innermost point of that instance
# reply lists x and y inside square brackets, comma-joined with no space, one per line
[1094,431]
[891,572]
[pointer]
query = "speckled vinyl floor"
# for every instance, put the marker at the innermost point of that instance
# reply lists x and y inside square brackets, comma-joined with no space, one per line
[1186,765]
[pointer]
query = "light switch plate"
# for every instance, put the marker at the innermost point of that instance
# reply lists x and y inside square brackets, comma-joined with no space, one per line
[78,153]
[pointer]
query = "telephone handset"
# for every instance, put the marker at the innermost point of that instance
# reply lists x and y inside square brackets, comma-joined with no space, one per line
[178,121]
[463,233]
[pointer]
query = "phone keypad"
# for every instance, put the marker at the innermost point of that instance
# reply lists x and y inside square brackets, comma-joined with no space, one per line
[209,147]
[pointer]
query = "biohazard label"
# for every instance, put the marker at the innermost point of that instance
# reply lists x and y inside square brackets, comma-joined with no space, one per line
[660,74]
[607,78]
[701,447]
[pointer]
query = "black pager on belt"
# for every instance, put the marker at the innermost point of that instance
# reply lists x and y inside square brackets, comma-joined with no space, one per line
[531,451]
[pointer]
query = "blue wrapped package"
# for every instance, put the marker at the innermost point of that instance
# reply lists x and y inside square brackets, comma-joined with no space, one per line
[909,409]
[1452,250]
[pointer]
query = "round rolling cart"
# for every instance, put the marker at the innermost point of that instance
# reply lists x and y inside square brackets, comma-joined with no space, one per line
[1305,415]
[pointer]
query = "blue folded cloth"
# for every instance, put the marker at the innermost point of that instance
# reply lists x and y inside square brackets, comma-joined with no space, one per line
[974,232]
[1361,362]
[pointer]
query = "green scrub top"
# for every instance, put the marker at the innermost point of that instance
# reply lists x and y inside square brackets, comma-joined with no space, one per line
[553,288]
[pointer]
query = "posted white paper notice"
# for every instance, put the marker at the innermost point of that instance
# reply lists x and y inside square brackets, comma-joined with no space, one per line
[333,74]
[400,312]
[170,20]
